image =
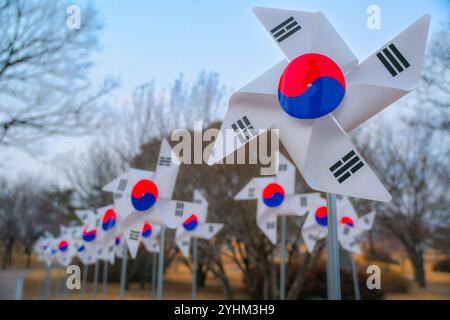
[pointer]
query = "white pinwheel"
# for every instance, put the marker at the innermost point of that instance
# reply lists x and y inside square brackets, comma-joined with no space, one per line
[294,99]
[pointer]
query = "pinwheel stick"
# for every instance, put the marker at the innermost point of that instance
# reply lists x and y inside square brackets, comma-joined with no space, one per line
[58,281]
[94,287]
[355,277]
[123,273]
[194,267]
[105,278]
[283,258]
[154,268]
[159,291]
[19,287]
[48,281]
[333,266]
[66,290]
[85,274]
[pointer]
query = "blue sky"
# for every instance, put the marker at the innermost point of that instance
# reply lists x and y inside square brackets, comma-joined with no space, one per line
[144,40]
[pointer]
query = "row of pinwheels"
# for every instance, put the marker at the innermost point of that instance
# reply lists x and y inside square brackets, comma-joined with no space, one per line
[143,204]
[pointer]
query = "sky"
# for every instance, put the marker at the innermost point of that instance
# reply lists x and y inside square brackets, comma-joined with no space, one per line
[144,40]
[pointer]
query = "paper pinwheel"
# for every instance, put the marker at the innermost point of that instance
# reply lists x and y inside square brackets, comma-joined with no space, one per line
[318,94]
[149,234]
[275,196]
[146,196]
[195,225]
[352,234]
[64,246]
[43,248]
[350,225]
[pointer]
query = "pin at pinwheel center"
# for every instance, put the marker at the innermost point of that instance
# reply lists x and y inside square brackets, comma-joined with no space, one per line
[311,86]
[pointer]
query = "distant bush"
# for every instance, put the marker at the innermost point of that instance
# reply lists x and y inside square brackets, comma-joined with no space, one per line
[394,282]
[443,265]
[316,285]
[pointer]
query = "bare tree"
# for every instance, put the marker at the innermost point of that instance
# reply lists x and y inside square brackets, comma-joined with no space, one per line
[27,208]
[44,88]
[431,100]
[153,114]
[89,171]
[411,153]
[413,162]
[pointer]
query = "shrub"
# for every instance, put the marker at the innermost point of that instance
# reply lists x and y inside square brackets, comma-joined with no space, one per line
[443,265]
[394,282]
[316,285]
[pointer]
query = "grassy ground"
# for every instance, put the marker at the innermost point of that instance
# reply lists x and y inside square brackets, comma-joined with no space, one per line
[177,284]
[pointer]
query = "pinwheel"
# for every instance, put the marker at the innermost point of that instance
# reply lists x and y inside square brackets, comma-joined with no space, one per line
[315,97]
[146,196]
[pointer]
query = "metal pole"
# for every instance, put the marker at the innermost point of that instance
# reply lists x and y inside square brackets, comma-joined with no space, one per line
[65,291]
[159,291]
[94,287]
[19,286]
[58,282]
[48,282]
[355,277]
[283,258]
[194,267]
[85,274]
[154,268]
[329,284]
[123,273]
[333,250]
[105,277]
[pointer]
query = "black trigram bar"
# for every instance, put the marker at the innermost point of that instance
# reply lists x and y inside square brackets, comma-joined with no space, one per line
[313,237]
[270,225]
[165,161]
[346,230]
[185,243]
[210,229]
[122,184]
[251,192]
[303,201]
[354,242]
[347,166]
[285,29]
[134,235]
[243,129]
[393,60]
[179,210]
[282,167]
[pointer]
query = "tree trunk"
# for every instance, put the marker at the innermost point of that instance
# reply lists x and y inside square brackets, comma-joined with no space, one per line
[7,255]
[202,274]
[417,262]
[222,276]
[299,281]
[28,263]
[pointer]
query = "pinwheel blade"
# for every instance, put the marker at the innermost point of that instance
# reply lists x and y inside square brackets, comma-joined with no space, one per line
[298,32]
[384,77]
